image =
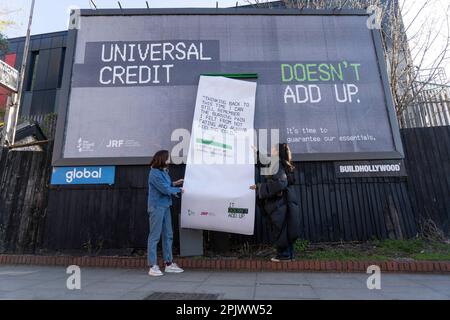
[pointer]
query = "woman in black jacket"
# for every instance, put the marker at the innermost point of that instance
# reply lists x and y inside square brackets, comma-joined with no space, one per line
[279,202]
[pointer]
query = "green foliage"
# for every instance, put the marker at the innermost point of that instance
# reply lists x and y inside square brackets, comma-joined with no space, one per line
[2,117]
[384,250]
[344,255]
[93,247]
[301,245]
[405,247]
[48,126]
[3,44]
[432,256]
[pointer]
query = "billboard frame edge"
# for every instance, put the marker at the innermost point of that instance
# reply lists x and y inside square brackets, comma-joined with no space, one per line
[63,104]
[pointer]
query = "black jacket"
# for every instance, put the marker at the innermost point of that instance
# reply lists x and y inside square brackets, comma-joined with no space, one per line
[279,201]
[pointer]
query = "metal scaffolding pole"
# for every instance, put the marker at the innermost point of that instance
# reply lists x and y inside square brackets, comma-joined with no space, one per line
[17,97]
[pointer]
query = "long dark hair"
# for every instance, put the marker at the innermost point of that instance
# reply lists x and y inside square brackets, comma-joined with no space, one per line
[285,155]
[159,160]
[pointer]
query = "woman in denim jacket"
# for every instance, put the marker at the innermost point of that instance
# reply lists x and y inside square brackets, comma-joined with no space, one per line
[160,192]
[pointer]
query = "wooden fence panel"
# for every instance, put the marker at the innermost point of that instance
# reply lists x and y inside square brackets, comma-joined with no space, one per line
[24,179]
[93,218]
[431,109]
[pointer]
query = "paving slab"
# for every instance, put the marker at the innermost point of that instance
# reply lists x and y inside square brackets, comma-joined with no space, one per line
[43,282]
[285,292]
[229,292]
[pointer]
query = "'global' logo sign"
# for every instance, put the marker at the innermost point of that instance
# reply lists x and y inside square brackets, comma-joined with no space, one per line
[83,175]
[86,174]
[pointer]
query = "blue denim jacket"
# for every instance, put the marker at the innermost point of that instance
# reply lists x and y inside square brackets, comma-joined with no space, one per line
[160,189]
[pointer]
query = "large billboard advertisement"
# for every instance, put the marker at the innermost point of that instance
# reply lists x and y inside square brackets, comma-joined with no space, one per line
[132,76]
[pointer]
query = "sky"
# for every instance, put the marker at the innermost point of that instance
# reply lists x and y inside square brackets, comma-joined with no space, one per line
[52,15]
[433,18]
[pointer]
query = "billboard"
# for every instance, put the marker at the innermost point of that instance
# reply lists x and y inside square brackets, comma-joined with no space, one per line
[131,79]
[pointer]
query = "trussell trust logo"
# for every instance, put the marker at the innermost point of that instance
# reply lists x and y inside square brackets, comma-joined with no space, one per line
[85,145]
[83,174]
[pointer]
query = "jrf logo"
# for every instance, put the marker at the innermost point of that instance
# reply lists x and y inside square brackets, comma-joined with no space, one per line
[115,143]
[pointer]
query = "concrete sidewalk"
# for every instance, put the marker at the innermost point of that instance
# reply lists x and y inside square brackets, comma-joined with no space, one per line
[29,282]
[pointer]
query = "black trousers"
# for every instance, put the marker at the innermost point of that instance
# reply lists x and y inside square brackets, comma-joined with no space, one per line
[287,252]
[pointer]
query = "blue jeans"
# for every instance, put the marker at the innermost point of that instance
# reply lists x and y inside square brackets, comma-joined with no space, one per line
[160,224]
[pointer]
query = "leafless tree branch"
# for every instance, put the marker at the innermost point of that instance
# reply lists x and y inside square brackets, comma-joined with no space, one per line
[405,57]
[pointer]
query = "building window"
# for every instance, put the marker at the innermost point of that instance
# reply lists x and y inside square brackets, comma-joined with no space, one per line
[33,70]
[61,67]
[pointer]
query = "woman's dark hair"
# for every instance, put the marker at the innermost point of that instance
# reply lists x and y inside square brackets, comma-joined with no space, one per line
[285,157]
[159,160]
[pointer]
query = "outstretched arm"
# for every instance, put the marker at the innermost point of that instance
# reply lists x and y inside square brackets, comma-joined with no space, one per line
[163,186]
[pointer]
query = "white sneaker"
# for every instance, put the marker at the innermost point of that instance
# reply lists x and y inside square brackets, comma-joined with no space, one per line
[173,268]
[155,272]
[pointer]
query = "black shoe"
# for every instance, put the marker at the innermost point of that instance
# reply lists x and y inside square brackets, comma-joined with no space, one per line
[279,258]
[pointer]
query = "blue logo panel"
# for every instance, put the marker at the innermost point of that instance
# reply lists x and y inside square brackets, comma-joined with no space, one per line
[83,175]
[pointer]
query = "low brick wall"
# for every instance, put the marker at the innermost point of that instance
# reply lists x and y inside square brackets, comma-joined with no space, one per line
[232,264]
